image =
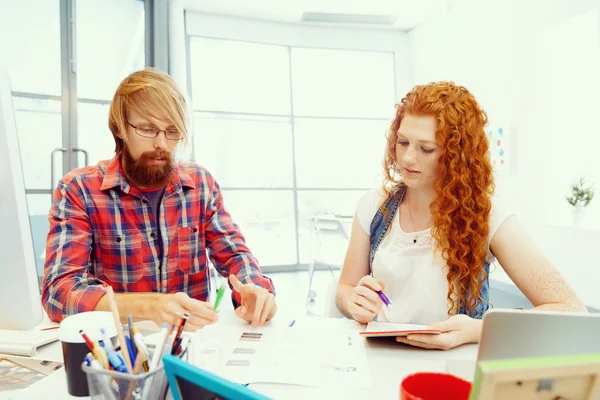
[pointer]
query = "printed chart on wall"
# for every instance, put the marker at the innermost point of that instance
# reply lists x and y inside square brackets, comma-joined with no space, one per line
[499,139]
[300,355]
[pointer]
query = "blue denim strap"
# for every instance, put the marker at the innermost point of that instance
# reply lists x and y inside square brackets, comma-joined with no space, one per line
[380,224]
[379,227]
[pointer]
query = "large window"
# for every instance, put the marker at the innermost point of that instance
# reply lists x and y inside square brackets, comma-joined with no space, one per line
[289,133]
[106,53]
[49,64]
[30,53]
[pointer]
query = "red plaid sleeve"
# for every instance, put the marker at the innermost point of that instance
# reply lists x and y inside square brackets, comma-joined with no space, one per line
[226,245]
[68,287]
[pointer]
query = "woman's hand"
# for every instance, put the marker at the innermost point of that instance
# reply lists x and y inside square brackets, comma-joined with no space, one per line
[364,302]
[456,330]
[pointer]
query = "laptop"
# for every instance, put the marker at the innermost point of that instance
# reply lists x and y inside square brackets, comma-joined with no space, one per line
[510,333]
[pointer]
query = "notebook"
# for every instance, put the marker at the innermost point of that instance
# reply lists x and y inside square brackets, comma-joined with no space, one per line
[377,329]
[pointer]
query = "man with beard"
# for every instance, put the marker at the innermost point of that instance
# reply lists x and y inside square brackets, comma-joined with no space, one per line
[143,223]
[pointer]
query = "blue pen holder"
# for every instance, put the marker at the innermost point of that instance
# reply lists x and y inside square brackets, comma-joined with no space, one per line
[112,385]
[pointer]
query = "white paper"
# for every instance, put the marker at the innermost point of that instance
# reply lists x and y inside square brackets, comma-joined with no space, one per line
[300,355]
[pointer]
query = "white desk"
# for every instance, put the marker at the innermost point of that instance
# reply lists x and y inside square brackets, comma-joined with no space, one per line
[388,361]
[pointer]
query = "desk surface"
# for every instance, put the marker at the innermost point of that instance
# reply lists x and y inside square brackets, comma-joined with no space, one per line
[388,361]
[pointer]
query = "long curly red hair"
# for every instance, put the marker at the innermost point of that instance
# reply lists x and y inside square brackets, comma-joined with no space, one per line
[464,186]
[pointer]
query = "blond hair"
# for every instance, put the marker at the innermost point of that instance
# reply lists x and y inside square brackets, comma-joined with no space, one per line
[152,94]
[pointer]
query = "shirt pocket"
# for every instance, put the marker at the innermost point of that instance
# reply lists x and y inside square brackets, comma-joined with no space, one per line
[120,256]
[189,249]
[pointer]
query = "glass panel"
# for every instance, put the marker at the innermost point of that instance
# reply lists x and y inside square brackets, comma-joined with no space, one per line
[315,203]
[39,205]
[240,77]
[334,153]
[94,135]
[30,45]
[242,151]
[39,122]
[343,83]
[110,45]
[266,219]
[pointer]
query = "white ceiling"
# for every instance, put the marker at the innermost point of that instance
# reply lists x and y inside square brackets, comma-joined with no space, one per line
[410,13]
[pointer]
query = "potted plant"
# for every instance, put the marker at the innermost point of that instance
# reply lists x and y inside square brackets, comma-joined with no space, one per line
[581,195]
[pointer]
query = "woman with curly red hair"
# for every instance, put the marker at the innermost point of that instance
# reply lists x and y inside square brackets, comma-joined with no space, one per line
[429,235]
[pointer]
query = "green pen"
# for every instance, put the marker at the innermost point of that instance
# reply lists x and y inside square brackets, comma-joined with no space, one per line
[220,293]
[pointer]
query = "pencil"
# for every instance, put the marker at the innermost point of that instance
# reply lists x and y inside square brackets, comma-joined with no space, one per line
[115,312]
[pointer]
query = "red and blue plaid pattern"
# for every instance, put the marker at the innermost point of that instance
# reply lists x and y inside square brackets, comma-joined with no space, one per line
[102,231]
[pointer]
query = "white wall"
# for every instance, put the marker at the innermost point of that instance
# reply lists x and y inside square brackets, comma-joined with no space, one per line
[493,48]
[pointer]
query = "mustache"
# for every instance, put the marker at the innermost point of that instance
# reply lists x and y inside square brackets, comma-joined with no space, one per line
[151,155]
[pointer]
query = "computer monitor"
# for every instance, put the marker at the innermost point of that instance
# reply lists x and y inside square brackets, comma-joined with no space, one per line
[20,302]
[533,333]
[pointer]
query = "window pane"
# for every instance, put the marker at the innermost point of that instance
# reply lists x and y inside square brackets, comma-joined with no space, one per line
[39,205]
[314,203]
[266,219]
[94,135]
[110,45]
[39,121]
[343,83]
[339,153]
[239,77]
[30,45]
[244,151]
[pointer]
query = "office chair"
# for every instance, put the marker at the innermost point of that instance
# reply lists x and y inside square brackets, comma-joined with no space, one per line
[330,244]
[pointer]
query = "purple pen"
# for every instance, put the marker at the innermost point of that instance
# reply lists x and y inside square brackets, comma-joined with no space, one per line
[385,300]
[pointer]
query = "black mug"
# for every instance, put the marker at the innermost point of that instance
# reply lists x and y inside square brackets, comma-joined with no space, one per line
[73,354]
[75,349]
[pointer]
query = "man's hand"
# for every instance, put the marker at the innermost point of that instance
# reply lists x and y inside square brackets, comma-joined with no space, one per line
[258,305]
[171,307]
[364,302]
[456,330]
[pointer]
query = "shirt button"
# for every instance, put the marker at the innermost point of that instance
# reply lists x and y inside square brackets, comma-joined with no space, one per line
[152,234]
[195,230]
[144,201]
[118,239]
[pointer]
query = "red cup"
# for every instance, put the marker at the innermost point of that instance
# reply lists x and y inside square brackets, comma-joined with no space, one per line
[434,386]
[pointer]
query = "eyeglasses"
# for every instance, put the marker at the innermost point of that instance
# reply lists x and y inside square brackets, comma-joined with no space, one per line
[152,132]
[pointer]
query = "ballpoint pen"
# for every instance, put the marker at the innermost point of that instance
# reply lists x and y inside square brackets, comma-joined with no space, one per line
[220,293]
[88,341]
[177,340]
[96,349]
[385,300]
[106,340]
[115,359]
[130,349]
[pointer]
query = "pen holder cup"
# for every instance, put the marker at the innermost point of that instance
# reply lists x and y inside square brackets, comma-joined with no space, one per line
[113,385]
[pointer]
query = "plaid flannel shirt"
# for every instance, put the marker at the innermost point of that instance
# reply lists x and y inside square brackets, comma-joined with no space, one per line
[102,231]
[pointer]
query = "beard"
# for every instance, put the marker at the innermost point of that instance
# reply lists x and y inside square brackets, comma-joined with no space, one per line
[142,172]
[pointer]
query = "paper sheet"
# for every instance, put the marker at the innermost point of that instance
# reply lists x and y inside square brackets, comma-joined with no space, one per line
[300,355]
